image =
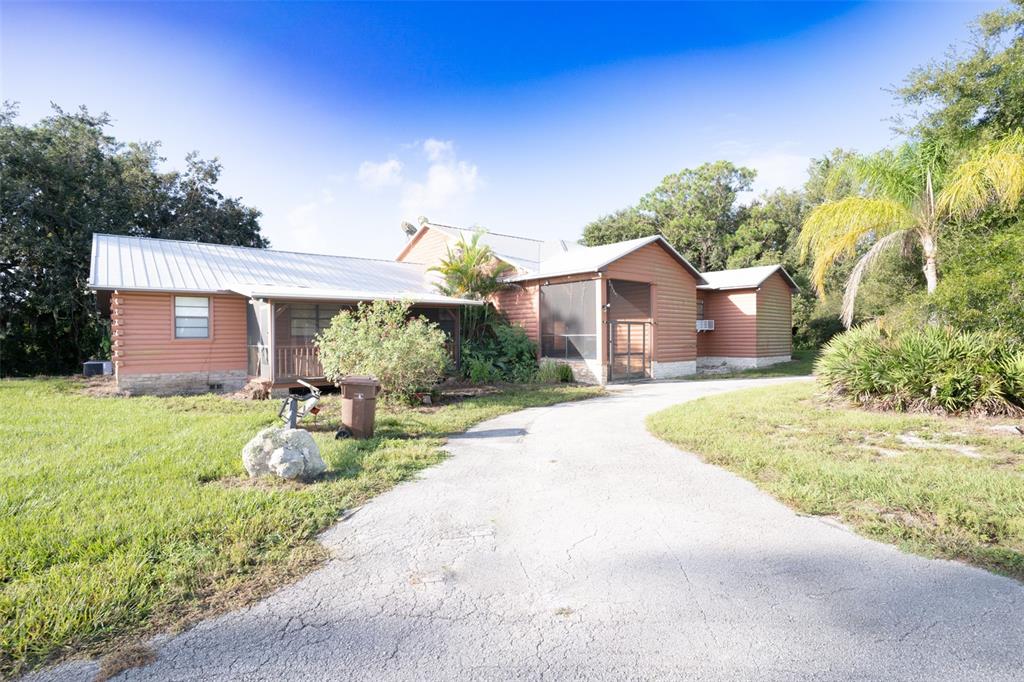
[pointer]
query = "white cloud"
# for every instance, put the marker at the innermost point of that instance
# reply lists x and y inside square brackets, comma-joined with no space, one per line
[439,150]
[376,175]
[448,181]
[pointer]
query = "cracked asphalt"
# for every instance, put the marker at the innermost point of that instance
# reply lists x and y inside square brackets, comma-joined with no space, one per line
[567,543]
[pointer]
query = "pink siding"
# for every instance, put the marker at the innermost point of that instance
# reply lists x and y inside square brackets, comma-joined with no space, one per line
[674,294]
[144,343]
[520,305]
[429,246]
[774,317]
[735,316]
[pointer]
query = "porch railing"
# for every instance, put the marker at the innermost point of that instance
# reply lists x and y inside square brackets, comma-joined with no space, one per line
[296,361]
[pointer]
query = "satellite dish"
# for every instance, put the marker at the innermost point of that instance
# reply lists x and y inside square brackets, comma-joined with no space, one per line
[423,220]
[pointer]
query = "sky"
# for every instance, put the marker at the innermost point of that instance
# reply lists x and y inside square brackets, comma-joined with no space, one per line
[339,121]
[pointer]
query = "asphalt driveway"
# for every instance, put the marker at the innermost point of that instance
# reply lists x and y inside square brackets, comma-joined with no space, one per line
[566,542]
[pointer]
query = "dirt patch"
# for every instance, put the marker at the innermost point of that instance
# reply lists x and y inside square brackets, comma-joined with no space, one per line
[128,657]
[914,441]
[258,483]
[102,387]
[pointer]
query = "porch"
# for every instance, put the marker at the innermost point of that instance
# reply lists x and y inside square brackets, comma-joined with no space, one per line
[281,336]
[602,327]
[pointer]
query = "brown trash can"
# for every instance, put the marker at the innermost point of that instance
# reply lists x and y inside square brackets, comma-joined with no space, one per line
[358,405]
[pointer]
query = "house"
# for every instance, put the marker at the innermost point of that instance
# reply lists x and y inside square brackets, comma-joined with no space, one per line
[188,317]
[747,315]
[633,309]
[193,317]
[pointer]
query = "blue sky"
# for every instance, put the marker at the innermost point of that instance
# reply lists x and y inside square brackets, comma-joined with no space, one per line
[338,121]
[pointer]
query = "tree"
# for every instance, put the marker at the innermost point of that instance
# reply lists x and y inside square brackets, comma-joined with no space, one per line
[622,225]
[694,209]
[768,231]
[65,178]
[977,94]
[912,195]
[828,178]
[982,286]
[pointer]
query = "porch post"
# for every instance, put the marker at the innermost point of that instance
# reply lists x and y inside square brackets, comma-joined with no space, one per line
[600,331]
[272,341]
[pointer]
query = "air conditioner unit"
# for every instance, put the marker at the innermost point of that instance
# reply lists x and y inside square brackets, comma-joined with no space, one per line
[705,325]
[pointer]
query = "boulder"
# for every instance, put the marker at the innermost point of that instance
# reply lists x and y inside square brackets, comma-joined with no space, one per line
[287,453]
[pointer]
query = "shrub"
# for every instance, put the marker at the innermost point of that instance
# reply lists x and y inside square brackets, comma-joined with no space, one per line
[982,283]
[504,354]
[932,368]
[551,372]
[404,353]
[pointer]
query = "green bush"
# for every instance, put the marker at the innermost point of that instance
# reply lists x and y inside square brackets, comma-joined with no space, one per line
[404,353]
[982,282]
[551,372]
[505,354]
[933,368]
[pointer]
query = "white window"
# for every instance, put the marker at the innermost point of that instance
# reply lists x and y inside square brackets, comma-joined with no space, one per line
[191,317]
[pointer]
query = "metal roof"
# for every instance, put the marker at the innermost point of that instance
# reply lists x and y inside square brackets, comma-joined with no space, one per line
[745,278]
[594,258]
[523,253]
[144,264]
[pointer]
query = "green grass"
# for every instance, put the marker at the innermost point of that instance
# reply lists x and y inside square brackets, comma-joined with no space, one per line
[121,515]
[851,464]
[802,364]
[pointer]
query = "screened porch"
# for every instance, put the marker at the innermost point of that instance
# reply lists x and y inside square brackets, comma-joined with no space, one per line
[281,334]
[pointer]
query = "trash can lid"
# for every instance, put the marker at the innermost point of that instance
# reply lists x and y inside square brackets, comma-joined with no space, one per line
[358,380]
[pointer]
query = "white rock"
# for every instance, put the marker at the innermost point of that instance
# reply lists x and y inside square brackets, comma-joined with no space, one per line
[288,453]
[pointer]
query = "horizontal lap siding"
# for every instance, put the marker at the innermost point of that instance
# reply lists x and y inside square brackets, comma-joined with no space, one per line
[144,342]
[674,305]
[735,316]
[520,305]
[431,248]
[774,318]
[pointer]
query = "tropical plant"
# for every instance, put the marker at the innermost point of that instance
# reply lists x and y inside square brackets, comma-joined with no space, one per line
[928,368]
[551,372]
[911,195]
[505,354]
[470,270]
[381,339]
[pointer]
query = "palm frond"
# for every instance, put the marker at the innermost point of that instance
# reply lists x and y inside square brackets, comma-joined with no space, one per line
[866,262]
[470,269]
[993,175]
[832,231]
[894,175]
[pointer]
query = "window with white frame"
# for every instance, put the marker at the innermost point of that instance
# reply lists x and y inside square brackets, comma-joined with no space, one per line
[191,317]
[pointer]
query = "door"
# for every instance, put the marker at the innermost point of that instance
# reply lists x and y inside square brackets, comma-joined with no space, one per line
[629,352]
[629,329]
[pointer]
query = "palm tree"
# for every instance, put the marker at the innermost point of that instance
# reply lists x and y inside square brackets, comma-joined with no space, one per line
[911,195]
[470,270]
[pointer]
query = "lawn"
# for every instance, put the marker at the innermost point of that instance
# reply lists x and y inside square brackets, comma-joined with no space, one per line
[802,364]
[119,516]
[938,486]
